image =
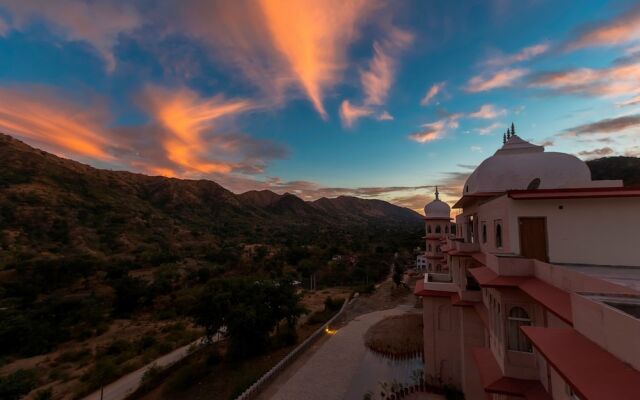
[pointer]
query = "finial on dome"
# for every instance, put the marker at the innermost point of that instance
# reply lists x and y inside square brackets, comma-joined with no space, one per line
[513,130]
[437,193]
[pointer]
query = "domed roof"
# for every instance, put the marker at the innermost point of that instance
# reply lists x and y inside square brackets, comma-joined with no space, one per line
[437,208]
[520,165]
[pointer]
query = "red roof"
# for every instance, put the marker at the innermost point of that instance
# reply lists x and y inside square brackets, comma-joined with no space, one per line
[495,382]
[468,199]
[592,372]
[456,300]
[486,277]
[553,299]
[571,193]
[419,290]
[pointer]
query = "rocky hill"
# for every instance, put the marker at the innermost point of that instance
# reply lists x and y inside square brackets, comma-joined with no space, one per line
[625,168]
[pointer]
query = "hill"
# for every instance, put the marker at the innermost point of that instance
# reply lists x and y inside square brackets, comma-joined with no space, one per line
[51,205]
[625,168]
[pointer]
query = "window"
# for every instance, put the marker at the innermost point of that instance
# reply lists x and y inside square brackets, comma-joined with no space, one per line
[429,247]
[437,228]
[428,228]
[429,267]
[438,249]
[517,341]
[498,234]
[534,184]
[484,233]
[438,268]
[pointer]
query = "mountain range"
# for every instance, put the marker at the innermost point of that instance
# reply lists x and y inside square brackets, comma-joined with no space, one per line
[52,205]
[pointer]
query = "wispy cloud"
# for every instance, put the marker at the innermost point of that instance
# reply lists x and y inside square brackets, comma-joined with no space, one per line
[49,120]
[607,126]
[433,91]
[503,78]
[524,54]
[596,153]
[617,80]
[384,116]
[350,113]
[488,111]
[620,30]
[435,130]
[97,23]
[487,130]
[378,77]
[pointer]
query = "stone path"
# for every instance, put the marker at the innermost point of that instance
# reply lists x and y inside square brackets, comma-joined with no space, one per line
[328,373]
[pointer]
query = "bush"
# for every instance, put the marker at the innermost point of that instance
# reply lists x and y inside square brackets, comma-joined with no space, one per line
[332,304]
[46,394]
[17,384]
[185,377]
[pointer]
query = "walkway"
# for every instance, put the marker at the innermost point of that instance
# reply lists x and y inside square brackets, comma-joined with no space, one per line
[328,373]
[128,384]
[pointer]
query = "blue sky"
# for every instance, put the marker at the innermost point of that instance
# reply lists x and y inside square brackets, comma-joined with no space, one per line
[368,98]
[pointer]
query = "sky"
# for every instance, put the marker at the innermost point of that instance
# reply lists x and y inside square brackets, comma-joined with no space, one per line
[319,98]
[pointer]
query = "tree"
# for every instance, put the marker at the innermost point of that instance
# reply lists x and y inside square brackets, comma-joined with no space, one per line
[398,271]
[246,311]
[513,129]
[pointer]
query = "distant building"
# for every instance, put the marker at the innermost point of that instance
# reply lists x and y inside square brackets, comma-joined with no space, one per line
[421,261]
[538,294]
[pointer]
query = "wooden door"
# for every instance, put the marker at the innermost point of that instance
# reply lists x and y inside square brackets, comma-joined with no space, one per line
[533,238]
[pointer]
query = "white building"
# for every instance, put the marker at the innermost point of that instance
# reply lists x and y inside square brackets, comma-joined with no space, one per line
[539,292]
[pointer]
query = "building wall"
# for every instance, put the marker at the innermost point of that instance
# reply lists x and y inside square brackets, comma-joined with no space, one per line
[583,231]
[442,350]
[472,335]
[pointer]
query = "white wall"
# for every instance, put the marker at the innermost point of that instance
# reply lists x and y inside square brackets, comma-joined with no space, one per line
[601,231]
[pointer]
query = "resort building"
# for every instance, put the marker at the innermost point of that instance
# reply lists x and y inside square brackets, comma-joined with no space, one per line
[537,294]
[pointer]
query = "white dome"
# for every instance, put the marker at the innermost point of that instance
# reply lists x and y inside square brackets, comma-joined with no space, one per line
[437,208]
[520,165]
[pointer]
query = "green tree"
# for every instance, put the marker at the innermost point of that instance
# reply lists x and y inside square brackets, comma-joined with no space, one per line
[246,310]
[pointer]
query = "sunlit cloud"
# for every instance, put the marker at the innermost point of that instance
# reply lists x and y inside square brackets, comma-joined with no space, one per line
[488,111]
[97,23]
[384,116]
[193,140]
[629,102]
[350,113]
[504,78]
[45,118]
[620,30]
[524,54]
[313,36]
[487,130]
[378,77]
[431,94]
[435,130]
[596,153]
[605,126]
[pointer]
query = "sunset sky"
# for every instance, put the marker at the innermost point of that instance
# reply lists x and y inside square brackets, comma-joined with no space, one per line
[318,98]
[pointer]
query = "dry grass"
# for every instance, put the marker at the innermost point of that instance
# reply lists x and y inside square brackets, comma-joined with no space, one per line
[396,335]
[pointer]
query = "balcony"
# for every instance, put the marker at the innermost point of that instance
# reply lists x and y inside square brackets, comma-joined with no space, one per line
[439,282]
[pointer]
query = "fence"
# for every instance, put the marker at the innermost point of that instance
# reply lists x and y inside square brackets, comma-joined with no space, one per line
[261,383]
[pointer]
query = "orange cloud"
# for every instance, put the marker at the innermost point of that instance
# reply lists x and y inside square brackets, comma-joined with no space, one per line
[623,29]
[313,37]
[350,113]
[432,93]
[618,80]
[488,111]
[378,78]
[435,130]
[524,54]
[56,124]
[98,23]
[503,78]
[186,118]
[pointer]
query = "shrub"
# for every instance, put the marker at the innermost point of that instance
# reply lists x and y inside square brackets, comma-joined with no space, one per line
[17,384]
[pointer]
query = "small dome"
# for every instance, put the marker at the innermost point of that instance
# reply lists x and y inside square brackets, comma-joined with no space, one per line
[437,208]
[520,165]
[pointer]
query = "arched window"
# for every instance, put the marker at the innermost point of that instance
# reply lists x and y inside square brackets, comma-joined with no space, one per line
[446,228]
[438,268]
[429,267]
[534,184]
[484,233]
[428,228]
[517,341]
[498,235]
[437,228]
[438,249]
[429,247]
